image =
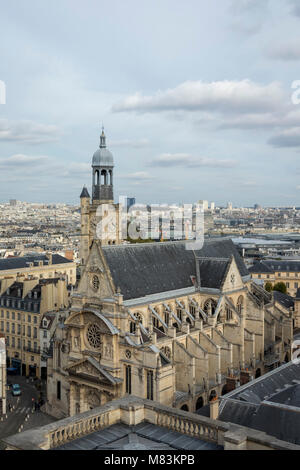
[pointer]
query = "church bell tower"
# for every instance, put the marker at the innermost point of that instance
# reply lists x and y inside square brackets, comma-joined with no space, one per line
[102,198]
[103,166]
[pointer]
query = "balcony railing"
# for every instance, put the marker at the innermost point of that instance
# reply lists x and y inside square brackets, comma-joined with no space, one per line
[132,411]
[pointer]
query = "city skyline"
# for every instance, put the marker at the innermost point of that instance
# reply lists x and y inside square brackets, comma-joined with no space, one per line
[185,118]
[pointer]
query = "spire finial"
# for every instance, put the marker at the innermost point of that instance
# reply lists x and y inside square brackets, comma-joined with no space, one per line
[102,139]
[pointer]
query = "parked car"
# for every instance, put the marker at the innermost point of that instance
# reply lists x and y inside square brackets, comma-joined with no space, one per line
[16,390]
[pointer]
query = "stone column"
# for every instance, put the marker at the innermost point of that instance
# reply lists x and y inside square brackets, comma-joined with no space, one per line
[72,399]
[231,358]
[219,371]
[243,336]
[214,408]
[83,404]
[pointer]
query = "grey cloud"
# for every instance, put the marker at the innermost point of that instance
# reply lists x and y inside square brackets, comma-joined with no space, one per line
[248,15]
[295,7]
[185,160]
[287,138]
[286,117]
[224,96]
[285,51]
[19,161]
[137,176]
[28,132]
[142,143]
[238,7]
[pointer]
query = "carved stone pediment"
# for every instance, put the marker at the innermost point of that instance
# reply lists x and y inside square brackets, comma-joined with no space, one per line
[94,269]
[87,371]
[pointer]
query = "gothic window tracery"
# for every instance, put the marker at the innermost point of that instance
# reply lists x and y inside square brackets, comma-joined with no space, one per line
[95,282]
[240,303]
[139,319]
[166,351]
[210,306]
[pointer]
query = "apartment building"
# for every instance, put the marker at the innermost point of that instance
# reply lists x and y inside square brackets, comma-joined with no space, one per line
[22,306]
[273,272]
[41,266]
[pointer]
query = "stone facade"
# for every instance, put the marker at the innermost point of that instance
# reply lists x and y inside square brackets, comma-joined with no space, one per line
[22,306]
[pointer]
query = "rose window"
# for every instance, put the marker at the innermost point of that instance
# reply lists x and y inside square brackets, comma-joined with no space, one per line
[94,336]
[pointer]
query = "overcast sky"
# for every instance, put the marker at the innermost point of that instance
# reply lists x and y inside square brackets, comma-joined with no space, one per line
[195,97]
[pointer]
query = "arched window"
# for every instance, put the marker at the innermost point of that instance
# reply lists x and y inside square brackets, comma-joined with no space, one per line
[184,408]
[97,177]
[103,177]
[139,319]
[199,403]
[210,306]
[240,303]
[192,310]
[228,312]
[179,313]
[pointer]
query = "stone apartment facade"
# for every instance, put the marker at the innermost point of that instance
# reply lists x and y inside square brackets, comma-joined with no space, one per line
[22,306]
[2,374]
[36,266]
[273,272]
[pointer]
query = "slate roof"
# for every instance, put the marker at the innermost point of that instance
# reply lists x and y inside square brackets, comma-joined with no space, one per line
[144,436]
[84,192]
[270,404]
[21,262]
[150,268]
[212,272]
[286,300]
[270,266]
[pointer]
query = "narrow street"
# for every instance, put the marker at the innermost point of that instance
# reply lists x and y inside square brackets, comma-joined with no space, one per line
[22,413]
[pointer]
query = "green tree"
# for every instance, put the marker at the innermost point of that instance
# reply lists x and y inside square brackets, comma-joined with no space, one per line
[268,287]
[280,287]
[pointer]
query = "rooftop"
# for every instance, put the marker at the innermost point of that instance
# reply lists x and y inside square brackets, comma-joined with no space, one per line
[23,261]
[270,404]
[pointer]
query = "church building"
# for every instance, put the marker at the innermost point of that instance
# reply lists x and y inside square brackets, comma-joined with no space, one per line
[158,321]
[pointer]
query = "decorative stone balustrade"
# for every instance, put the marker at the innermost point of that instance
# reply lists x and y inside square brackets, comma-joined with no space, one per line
[132,411]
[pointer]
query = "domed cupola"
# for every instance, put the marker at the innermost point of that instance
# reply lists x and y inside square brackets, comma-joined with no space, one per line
[103,164]
[102,156]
